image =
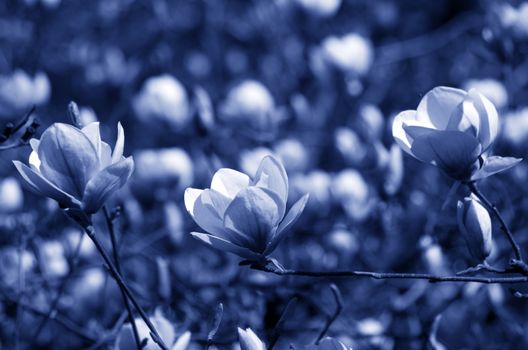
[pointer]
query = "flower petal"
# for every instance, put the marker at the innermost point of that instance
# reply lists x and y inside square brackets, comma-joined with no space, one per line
[489,119]
[272,175]
[42,186]
[222,244]
[494,165]
[105,183]
[68,158]
[289,220]
[229,182]
[438,104]
[453,151]
[93,132]
[254,213]
[120,144]
[204,213]
[189,197]
[405,119]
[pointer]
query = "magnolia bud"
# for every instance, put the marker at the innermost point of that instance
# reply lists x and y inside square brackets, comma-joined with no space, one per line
[249,340]
[475,224]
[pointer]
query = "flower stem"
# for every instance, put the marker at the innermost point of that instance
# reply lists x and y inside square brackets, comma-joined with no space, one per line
[516,249]
[111,231]
[122,285]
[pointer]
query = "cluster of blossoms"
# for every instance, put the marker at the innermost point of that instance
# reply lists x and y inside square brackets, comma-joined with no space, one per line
[247,214]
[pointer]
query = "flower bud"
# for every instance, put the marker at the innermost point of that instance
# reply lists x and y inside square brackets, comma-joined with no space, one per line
[474,223]
[163,99]
[249,340]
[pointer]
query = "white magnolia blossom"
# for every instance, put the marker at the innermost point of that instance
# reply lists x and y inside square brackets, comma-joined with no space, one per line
[163,99]
[19,92]
[242,215]
[351,53]
[451,128]
[474,223]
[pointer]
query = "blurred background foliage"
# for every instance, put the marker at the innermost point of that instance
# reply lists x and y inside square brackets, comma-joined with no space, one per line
[200,85]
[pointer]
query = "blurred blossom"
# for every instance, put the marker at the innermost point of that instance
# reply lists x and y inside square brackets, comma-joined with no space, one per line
[198,64]
[163,99]
[19,92]
[370,327]
[166,166]
[320,8]
[514,19]
[372,120]
[329,343]
[54,261]
[343,241]
[244,216]
[515,127]
[474,223]
[317,183]
[293,155]
[451,129]
[11,196]
[173,222]
[13,261]
[250,104]
[87,116]
[350,146]
[351,53]
[250,159]
[249,340]
[351,190]
[493,89]
[73,235]
[394,171]
[433,256]
[90,283]
[75,167]
[125,339]
[51,4]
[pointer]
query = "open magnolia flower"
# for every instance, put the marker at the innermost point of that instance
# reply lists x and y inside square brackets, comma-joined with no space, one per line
[452,129]
[75,167]
[243,216]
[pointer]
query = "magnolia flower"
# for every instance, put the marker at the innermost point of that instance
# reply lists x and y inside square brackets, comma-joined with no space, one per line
[244,216]
[351,53]
[163,98]
[251,104]
[75,168]
[19,91]
[474,223]
[452,129]
[249,340]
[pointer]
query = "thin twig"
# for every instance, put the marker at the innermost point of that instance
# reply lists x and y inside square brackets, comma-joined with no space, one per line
[333,317]
[516,249]
[275,335]
[391,275]
[111,230]
[90,231]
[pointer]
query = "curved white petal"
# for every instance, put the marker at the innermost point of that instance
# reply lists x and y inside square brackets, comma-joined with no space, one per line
[401,121]
[34,160]
[438,104]
[93,132]
[120,144]
[229,182]
[222,244]
[489,119]
[272,175]
[42,186]
[189,198]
